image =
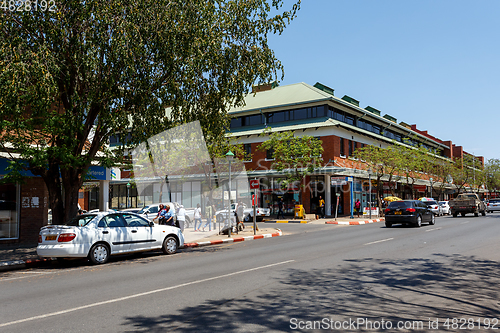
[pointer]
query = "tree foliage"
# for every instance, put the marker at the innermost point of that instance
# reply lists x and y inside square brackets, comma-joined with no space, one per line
[492,172]
[71,77]
[294,156]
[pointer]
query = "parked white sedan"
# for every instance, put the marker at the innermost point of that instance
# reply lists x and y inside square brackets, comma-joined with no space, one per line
[100,235]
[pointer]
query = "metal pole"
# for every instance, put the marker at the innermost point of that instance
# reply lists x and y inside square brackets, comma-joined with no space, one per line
[229,203]
[370,193]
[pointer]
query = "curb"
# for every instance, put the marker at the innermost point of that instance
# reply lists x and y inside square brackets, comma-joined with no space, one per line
[356,223]
[17,264]
[233,240]
[290,221]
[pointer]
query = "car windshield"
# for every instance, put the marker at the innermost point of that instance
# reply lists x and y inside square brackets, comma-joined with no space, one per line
[400,204]
[442,202]
[143,210]
[428,203]
[80,220]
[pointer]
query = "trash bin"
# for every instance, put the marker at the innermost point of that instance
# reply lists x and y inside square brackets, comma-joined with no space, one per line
[299,211]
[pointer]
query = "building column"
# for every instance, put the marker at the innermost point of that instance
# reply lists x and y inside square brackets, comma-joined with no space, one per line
[328,196]
[104,195]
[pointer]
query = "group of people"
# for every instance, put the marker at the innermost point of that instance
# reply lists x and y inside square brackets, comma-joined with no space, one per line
[209,211]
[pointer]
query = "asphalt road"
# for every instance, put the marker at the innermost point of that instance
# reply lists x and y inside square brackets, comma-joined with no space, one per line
[323,277]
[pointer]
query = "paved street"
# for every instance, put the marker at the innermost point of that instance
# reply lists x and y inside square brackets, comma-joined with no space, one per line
[328,274]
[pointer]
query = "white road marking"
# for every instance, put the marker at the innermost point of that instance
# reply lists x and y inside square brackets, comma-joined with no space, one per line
[432,229]
[139,295]
[379,241]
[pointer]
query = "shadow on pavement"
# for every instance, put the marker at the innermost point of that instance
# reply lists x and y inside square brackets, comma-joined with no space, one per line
[412,291]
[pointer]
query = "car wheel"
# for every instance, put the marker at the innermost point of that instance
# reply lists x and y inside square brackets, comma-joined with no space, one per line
[247,218]
[433,220]
[170,245]
[455,214]
[419,221]
[388,225]
[99,253]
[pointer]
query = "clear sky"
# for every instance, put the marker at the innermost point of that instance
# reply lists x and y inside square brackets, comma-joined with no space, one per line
[433,63]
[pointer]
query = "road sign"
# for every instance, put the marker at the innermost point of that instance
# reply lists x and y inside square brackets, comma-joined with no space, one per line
[254,184]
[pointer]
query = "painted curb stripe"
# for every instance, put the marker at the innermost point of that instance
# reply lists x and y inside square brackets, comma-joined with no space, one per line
[355,223]
[231,240]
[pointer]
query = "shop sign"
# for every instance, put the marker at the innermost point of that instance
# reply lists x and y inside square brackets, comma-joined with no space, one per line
[366,211]
[337,181]
[419,188]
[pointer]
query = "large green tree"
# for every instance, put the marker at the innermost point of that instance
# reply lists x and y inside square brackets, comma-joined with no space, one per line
[76,72]
[492,172]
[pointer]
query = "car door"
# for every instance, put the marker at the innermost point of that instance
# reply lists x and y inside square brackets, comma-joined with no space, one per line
[426,212]
[141,233]
[113,230]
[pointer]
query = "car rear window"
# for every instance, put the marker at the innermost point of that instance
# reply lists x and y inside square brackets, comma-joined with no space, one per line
[400,204]
[494,200]
[430,203]
[80,220]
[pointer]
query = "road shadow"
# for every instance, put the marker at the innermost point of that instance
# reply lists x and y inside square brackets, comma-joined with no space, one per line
[411,291]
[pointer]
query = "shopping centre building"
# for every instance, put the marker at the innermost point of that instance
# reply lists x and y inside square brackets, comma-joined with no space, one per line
[340,123]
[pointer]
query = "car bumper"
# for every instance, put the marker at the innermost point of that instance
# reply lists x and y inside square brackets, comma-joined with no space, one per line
[62,250]
[401,219]
[493,208]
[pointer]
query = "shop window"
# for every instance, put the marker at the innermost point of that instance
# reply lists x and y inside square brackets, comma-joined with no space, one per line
[270,154]
[342,149]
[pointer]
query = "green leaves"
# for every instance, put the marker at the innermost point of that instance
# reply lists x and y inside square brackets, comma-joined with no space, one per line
[71,78]
[294,156]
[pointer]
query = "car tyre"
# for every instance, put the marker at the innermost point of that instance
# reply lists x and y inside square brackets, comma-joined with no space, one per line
[419,221]
[433,220]
[388,225]
[99,254]
[170,245]
[455,214]
[247,218]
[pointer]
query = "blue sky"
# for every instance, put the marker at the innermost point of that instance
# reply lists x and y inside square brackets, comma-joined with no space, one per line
[433,63]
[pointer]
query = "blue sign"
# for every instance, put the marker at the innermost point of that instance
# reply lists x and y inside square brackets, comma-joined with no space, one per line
[97,173]
[4,163]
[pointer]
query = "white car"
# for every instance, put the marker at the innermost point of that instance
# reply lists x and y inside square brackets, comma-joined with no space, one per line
[247,213]
[434,207]
[445,207]
[100,235]
[493,205]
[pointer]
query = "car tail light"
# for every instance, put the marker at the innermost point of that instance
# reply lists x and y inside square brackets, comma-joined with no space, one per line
[387,210]
[66,237]
[39,238]
[411,210]
[488,203]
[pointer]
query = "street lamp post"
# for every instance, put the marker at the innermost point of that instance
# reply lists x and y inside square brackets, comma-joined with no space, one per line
[370,191]
[431,185]
[229,157]
[128,195]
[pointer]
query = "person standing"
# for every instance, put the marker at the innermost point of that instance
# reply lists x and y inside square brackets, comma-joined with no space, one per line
[160,215]
[280,208]
[197,217]
[321,205]
[357,206]
[209,214]
[168,217]
[181,217]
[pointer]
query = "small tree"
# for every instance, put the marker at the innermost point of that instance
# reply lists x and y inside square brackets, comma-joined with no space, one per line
[294,156]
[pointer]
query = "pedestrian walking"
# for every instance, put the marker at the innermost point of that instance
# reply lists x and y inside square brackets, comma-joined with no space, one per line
[181,217]
[280,208]
[357,206]
[197,217]
[209,214]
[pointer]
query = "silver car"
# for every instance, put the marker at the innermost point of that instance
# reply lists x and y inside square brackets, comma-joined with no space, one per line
[493,205]
[434,207]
